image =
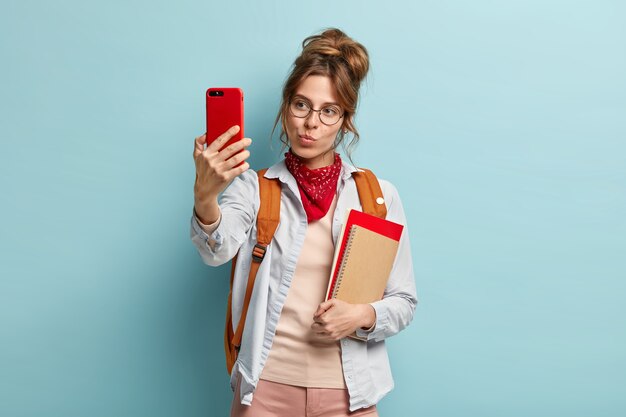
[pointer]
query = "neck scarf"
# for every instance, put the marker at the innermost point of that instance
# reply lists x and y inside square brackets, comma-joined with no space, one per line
[317,186]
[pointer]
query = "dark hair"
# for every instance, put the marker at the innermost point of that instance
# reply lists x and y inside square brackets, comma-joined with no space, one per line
[337,56]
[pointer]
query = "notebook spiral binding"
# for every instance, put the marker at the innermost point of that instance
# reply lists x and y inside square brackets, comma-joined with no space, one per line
[344,259]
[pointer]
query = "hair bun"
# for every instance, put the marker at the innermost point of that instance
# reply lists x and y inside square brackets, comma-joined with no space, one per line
[335,43]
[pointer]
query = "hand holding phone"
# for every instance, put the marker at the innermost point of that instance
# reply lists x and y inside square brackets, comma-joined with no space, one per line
[216,169]
[225,154]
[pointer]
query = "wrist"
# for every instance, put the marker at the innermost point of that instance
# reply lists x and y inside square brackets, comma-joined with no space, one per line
[204,194]
[367,316]
[207,210]
[205,202]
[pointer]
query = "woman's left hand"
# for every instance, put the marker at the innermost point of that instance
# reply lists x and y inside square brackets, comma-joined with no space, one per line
[335,319]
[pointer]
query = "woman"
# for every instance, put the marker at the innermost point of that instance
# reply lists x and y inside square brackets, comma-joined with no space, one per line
[295,357]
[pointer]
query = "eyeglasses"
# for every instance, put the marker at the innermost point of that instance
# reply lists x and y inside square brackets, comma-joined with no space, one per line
[328,115]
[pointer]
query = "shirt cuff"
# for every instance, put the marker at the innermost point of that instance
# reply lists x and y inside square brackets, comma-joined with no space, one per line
[208,228]
[363,334]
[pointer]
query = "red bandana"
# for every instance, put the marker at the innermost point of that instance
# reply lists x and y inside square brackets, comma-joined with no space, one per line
[317,186]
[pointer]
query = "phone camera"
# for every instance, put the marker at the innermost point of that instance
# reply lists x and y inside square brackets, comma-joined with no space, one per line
[216,93]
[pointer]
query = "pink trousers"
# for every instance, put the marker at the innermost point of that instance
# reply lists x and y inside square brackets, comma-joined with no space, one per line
[272,399]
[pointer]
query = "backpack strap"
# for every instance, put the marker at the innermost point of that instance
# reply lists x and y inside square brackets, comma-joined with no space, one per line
[229,349]
[267,221]
[370,193]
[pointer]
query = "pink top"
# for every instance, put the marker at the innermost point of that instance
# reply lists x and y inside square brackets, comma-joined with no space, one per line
[299,357]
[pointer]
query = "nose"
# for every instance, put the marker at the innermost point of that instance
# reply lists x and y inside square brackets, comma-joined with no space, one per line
[312,120]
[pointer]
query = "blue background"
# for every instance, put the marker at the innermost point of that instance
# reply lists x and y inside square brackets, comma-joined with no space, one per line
[502,124]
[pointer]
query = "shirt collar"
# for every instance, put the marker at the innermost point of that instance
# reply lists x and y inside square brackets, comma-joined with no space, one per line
[280,171]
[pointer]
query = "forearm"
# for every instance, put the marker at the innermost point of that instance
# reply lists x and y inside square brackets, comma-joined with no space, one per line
[205,205]
[366,316]
[393,314]
[233,218]
[207,209]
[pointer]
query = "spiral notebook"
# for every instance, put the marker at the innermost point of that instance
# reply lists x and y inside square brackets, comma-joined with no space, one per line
[364,258]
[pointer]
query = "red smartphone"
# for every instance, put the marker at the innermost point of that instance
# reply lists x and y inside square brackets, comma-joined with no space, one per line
[224,109]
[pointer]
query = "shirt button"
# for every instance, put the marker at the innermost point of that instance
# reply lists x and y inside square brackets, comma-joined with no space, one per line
[345,342]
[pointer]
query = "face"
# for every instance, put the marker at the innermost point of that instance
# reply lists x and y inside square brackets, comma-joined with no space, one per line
[309,138]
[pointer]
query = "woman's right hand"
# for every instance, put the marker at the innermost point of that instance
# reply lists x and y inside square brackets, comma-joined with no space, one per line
[216,169]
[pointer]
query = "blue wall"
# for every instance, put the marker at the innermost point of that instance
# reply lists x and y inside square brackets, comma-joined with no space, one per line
[501,123]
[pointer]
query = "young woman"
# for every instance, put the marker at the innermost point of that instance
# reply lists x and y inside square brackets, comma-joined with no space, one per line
[295,357]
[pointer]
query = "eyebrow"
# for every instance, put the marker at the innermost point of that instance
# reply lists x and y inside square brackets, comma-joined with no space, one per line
[309,100]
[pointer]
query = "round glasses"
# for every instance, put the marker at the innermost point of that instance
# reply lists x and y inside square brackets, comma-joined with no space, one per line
[329,115]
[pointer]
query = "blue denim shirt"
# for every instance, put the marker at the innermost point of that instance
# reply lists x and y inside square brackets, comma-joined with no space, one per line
[365,362]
